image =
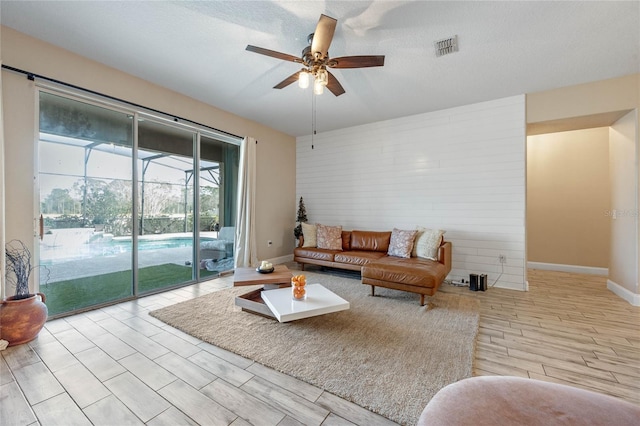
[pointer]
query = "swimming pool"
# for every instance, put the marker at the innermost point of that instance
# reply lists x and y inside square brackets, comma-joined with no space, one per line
[70,249]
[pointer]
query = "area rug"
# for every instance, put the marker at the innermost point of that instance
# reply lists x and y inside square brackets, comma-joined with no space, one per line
[386,353]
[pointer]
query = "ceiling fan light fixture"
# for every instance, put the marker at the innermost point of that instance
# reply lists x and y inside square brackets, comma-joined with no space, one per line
[318,87]
[303,79]
[323,76]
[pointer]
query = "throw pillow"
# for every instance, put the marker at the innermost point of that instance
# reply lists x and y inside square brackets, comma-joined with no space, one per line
[330,237]
[309,233]
[428,241]
[401,242]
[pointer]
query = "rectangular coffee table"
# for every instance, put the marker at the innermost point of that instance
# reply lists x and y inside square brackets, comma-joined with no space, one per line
[252,301]
[319,301]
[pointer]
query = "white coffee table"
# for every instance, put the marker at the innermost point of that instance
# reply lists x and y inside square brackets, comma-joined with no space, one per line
[319,301]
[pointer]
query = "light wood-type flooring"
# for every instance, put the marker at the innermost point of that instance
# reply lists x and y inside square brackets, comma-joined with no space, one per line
[119,366]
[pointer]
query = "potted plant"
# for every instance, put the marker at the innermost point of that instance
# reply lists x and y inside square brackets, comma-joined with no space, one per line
[23,315]
[302,217]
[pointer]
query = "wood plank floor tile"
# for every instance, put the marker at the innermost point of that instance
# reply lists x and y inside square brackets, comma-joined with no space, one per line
[100,364]
[55,355]
[197,406]
[74,341]
[137,341]
[5,373]
[110,411]
[175,344]
[221,368]
[81,385]
[57,326]
[604,386]
[510,361]
[250,408]
[172,417]
[20,356]
[226,355]
[185,370]
[296,386]
[113,346]
[499,369]
[37,382]
[138,397]
[86,326]
[14,408]
[285,401]
[333,420]
[60,410]
[352,412]
[151,373]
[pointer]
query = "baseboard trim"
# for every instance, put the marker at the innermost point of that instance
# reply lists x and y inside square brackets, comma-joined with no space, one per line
[632,298]
[591,270]
[281,259]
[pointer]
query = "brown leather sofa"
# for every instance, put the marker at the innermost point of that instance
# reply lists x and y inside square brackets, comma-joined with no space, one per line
[366,251]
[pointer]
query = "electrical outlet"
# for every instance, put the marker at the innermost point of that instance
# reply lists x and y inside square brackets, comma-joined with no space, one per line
[269,243]
[502,258]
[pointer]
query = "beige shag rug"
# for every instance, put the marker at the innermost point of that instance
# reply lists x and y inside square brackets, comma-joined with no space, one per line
[386,353]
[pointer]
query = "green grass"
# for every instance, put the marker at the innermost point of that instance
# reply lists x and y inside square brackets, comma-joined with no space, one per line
[65,296]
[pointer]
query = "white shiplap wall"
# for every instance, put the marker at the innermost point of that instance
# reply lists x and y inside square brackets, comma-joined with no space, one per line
[460,169]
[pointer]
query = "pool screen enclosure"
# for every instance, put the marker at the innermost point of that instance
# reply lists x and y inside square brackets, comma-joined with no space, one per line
[108,174]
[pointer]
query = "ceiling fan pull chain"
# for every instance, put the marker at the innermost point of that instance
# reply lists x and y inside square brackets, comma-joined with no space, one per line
[313,117]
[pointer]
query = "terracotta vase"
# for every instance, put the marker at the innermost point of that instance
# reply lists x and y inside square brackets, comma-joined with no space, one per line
[22,319]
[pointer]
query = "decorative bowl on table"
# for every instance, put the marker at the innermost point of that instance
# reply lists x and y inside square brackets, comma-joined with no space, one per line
[265,271]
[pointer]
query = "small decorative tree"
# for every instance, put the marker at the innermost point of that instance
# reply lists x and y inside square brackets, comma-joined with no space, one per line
[19,267]
[302,217]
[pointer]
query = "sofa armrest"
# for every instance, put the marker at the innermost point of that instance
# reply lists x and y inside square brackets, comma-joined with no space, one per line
[444,255]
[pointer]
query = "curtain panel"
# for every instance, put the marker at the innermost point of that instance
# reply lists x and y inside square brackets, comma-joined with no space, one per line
[246,246]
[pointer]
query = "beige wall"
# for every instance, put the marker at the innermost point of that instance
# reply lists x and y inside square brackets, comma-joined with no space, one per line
[275,157]
[581,100]
[567,198]
[599,99]
[623,154]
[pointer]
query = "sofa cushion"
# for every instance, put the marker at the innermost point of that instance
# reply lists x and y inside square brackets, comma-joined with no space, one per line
[346,240]
[357,257]
[329,237]
[309,233]
[315,253]
[414,271]
[370,240]
[427,243]
[401,242]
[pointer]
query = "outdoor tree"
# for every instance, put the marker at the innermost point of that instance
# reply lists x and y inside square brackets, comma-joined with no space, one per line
[59,201]
[101,201]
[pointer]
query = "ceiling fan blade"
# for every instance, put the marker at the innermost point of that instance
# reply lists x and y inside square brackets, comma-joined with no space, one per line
[334,85]
[357,61]
[323,35]
[273,54]
[287,81]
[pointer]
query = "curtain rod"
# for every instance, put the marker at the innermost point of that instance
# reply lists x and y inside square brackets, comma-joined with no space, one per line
[32,76]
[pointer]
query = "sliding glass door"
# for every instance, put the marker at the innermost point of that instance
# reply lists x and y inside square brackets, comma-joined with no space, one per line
[102,241]
[85,178]
[165,205]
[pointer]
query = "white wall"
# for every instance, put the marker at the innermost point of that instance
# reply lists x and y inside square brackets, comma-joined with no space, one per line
[460,169]
[623,157]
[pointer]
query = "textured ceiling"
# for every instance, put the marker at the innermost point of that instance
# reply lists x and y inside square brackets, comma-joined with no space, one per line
[198,48]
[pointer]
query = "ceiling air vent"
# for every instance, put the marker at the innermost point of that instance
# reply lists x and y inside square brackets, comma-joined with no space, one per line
[446,45]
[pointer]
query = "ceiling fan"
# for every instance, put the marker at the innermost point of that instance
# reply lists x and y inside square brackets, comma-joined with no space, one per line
[315,59]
